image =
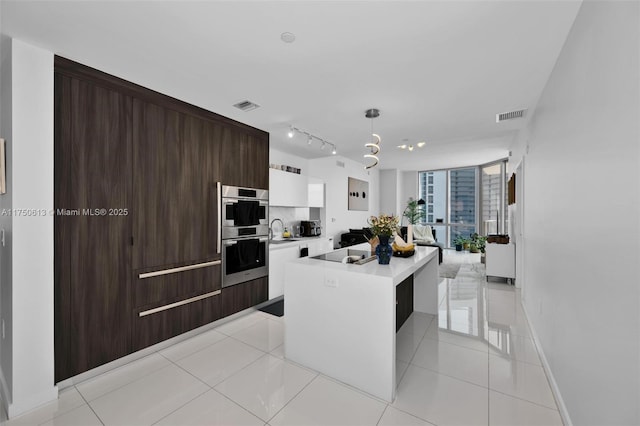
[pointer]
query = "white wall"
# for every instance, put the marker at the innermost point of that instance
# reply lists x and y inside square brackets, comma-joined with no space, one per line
[390,186]
[582,213]
[6,223]
[338,218]
[28,255]
[284,158]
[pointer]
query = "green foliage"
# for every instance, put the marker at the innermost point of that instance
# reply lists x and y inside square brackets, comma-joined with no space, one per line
[413,212]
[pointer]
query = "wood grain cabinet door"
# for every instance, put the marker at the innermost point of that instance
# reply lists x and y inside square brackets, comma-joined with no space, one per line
[245,159]
[175,171]
[93,250]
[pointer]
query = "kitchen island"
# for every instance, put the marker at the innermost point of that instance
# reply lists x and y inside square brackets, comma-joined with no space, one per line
[340,318]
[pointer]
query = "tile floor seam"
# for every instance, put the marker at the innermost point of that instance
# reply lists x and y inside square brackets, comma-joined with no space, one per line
[120,387]
[293,398]
[188,402]
[382,415]
[240,329]
[191,353]
[249,344]
[238,404]
[353,388]
[525,400]
[88,405]
[414,415]
[450,376]
[192,375]
[455,344]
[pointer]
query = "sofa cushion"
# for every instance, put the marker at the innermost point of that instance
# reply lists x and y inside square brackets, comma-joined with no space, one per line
[423,234]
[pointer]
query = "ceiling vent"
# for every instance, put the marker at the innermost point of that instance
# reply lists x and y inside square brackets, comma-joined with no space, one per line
[246,106]
[511,115]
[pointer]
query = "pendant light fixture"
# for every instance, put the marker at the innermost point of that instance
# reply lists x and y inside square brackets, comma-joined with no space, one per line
[374,145]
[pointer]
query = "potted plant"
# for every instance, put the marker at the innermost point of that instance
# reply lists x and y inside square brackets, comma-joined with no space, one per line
[383,227]
[477,243]
[414,214]
[459,242]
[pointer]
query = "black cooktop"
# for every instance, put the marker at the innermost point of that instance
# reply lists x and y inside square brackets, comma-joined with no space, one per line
[339,255]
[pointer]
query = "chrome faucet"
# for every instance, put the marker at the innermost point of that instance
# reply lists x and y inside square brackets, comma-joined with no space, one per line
[271,227]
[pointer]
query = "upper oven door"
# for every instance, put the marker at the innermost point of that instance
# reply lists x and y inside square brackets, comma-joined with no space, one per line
[244,212]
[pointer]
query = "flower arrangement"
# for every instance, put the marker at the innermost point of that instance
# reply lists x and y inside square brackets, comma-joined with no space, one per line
[383,224]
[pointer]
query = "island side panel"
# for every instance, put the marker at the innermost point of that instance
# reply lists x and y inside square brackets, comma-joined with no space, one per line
[342,324]
[425,288]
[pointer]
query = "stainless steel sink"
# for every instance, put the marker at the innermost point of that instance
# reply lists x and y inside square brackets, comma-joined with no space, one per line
[288,240]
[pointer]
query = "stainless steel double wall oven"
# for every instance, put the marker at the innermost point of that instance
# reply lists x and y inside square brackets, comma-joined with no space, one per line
[244,233]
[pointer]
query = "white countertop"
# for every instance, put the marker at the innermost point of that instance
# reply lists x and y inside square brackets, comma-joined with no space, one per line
[398,269]
[298,241]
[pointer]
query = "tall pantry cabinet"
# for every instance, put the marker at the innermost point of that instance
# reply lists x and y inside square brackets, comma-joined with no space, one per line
[136,253]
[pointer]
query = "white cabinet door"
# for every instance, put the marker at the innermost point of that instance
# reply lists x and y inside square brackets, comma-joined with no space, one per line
[323,245]
[500,260]
[277,261]
[316,193]
[288,189]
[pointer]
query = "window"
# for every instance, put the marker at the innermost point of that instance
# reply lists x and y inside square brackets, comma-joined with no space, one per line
[493,193]
[450,194]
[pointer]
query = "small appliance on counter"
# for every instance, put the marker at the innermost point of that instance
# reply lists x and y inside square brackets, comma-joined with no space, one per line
[310,228]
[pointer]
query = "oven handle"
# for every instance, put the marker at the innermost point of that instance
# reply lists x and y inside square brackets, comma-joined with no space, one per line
[219,197]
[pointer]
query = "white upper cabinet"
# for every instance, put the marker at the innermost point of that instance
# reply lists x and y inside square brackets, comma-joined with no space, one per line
[288,189]
[316,192]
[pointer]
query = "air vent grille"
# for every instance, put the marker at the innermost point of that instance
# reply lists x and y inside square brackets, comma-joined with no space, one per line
[511,115]
[246,106]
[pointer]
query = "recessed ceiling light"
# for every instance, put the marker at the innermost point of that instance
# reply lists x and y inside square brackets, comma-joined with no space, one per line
[288,37]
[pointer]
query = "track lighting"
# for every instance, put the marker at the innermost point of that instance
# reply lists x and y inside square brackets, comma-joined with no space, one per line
[310,137]
[411,147]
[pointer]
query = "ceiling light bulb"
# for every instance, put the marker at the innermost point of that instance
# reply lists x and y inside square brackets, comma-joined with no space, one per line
[290,134]
[402,146]
[421,144]
[410,147]
[309,140]
[334,152]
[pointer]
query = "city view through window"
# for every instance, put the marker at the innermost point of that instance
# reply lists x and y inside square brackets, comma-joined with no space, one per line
[457,198]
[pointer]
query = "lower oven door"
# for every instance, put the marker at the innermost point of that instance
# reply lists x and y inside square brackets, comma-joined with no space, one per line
[244,259]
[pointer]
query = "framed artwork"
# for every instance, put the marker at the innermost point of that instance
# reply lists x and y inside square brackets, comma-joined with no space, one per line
[358,194]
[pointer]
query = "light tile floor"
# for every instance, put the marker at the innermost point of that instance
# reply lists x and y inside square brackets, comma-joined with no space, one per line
[474,364]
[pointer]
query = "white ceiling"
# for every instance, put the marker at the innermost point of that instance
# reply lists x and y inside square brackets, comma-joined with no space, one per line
[438,71]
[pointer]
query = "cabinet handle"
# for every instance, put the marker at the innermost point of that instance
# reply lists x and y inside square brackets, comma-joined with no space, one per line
[180,303]
[219,197]
[180,269]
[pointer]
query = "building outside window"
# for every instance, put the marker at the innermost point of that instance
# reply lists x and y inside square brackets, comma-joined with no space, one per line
[465,201]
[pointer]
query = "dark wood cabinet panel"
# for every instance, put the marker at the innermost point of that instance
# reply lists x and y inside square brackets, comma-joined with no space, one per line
[156,327]
[153,291]
[94,252]
[245,159]
[242,296]
[174,181]
[152,162]
[404,301]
